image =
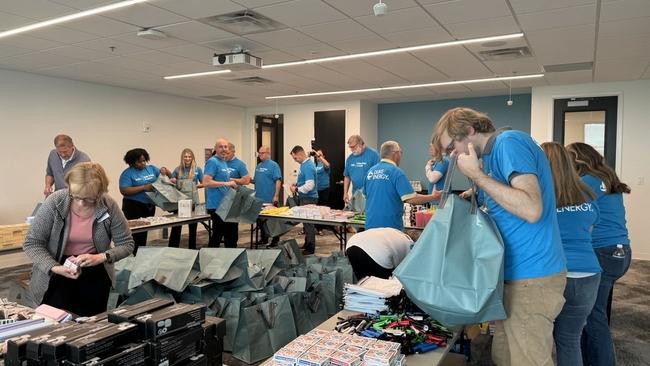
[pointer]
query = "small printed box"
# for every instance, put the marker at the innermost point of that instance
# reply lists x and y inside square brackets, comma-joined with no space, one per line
[320,333]
[323,351]
[400,360]
[338,337]
[341,358]
[363,342]
[385,345]
[309,338]
[328,343]
[379,357]
[313,359]
[353,350]
[287,356]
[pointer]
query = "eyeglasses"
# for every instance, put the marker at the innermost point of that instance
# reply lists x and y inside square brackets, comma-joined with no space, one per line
[88,201]
[450,148]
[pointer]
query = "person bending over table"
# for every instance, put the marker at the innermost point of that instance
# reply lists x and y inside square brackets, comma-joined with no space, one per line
[322,182]
[305,188]
[377,252]
[77,223]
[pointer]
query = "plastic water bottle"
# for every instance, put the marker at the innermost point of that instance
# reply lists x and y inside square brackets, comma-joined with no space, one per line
[619,252]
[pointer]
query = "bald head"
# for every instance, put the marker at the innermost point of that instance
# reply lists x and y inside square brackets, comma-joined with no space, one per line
[221,147]
[264,153]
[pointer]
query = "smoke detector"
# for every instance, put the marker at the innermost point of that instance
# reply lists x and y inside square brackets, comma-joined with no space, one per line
[152,34]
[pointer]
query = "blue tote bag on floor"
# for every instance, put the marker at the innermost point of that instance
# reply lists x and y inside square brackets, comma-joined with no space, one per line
[455,270]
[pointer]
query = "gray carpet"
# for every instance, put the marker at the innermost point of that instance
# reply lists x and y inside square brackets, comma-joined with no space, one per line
[630,313]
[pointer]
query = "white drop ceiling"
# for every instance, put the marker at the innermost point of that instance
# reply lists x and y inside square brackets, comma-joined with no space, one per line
[612,34]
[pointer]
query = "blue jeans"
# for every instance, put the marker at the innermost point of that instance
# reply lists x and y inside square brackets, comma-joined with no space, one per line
[597,343]
[580,295]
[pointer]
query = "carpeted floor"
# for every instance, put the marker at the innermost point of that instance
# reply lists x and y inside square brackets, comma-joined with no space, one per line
[630,319]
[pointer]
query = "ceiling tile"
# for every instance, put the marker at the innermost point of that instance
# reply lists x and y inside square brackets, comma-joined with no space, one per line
[556,18]
[192,52]
[35,9]
[226,45]
[101,26]
[31,43]
[62,34]
[398,21]
[357,8]
[145,16]
[85,4]
[301,13]
[8,50]
[363,44]
[407,67]
[282,38]
[563,45]
[624,9]
[484,27]
[569,77]
[198,8]
[158,58]
[125,62]
[532,6]
[629,27]
[456,62]
[195,32]
[11,21]
[274,57]
[252,4]
[313,51]
[38,60]
[80,53]
[521,66]
[331,79]
[336,31]
[105,44]
[418,37]
[617,70]
[465,10]
[491,85]
[149,43]
[625,47]
[372,75]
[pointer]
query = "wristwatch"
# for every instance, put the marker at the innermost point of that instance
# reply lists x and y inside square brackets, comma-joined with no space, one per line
[109,260]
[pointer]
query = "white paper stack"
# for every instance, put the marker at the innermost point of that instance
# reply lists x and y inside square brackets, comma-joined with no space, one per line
[370,294]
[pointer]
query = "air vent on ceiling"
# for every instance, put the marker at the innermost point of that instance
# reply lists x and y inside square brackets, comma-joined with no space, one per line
[504,54]
[243,22]
[217,97]
[255,80]
[578,66]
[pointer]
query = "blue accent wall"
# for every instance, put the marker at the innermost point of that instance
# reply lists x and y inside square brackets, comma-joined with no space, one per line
[411,124]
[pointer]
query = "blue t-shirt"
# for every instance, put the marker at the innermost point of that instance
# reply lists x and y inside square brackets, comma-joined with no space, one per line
[611,229]
[307,171]
[531,250]
[322,176]
[237,168]
[133,177]
[198,174]
[386,188]
[441,167]
[356,166]
[266,174]
[218,170]
[575,224]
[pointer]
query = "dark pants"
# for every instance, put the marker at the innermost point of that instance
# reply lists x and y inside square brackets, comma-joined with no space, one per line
[310,231]
[175,236]
[220,230]
[265,235]
[85,296]
[135,210]
[363,265]
[597,342]
[323,200]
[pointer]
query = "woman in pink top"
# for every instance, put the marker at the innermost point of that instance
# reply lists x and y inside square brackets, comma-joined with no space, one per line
[83,225]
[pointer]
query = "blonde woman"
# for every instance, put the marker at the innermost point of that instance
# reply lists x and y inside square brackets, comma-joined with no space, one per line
[77,223]
[186,174]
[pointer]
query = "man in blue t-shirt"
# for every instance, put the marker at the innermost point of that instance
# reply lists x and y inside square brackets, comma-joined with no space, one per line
[322,183]
[307,191]
[238,174]
[268,182]
[387,188]
[517,186]
[216,180]
[357,165]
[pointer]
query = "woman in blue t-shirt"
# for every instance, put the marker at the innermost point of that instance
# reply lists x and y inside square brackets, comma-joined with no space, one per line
[576,215]
[611,243]
[188,177]
[135,181]
[436,169]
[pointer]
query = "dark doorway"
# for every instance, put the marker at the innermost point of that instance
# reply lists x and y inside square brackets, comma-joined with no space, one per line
[329,135]
[269,131]
[588,120]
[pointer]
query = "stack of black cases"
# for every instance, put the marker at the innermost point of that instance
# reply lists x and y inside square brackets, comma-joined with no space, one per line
[152,333]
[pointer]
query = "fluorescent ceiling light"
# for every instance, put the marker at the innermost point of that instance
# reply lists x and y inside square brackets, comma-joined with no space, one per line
[196,74]
[70,17]
[444,83]
[396,50]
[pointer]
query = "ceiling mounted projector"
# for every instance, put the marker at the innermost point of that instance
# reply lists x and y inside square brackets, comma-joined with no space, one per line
[152,34]
[380,9]
[237,61]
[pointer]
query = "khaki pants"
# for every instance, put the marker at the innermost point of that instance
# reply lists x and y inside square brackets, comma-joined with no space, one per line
[526,336]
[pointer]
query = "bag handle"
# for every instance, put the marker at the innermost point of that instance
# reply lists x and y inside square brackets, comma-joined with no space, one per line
[270,320]
[222,309]
[446,190]
[313,302]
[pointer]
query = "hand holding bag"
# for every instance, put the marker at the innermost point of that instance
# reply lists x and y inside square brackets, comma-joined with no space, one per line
[455,270]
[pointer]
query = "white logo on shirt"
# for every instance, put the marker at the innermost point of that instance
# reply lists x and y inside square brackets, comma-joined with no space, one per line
[377,174]
[585,207]
[602,187]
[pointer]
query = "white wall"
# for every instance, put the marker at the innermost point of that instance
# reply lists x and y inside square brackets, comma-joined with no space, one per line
[369,118]
[299,127]
[632,140]
[104,122]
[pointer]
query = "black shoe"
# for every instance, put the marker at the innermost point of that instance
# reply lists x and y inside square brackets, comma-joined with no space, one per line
[274,244]
[307,252]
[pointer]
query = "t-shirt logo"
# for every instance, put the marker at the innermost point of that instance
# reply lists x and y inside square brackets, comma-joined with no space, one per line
[602,187]
[359,164]
[584,207]
[377,174]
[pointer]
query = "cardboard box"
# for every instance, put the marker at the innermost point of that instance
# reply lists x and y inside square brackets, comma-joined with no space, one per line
[101,342]
[129,312]
[173,349]
[17,346]
[33,348]
[55,348]
[129,355]
[157,324]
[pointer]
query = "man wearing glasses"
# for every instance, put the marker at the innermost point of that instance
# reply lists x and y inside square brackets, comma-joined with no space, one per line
[517,187]
[387,188]
[62,158]
[357,165]
[268,182]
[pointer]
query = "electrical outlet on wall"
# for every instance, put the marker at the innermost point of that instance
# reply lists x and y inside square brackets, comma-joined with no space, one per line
[146,127]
